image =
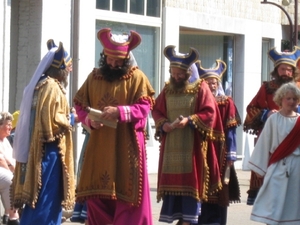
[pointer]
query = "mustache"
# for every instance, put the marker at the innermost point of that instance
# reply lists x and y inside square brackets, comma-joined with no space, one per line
[284,79]
[115,67]
[178,85]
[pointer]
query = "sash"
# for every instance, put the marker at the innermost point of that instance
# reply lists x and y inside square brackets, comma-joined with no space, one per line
[288,145]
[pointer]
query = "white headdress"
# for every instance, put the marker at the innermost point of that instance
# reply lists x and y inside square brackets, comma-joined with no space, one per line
[22,134]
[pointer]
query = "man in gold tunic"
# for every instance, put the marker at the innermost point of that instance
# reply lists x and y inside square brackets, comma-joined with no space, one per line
[189,127]
[44,174]
[114,179]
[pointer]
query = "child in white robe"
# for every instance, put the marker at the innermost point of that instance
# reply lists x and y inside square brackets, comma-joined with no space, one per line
[278,200]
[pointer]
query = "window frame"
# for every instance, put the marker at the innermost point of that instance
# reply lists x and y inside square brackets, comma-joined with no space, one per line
[128,3]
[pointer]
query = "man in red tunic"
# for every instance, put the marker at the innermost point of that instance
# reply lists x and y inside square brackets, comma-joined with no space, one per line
[189,127]
[262,105]
[216,213]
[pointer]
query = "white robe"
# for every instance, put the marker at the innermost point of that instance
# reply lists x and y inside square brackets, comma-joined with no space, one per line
[278,200]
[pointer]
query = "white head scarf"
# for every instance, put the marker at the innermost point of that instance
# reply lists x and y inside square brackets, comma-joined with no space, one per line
[220,90]
[195,75]
[22,134]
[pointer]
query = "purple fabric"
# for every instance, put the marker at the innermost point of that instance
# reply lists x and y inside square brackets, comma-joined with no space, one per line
[138,114]
[82,115]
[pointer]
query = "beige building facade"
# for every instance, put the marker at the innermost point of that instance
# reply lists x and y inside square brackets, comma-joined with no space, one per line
[238,32]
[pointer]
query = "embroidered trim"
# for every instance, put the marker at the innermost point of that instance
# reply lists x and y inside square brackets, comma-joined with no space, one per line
[44,81]
[191,88]
[127,113]
[205,131]
[98,76]
[271,86]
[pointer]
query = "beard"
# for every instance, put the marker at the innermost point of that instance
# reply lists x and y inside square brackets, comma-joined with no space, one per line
[64,82]
[111,74]
[64,79]
[59,74]
[177,85]
[284,79]
[214,92]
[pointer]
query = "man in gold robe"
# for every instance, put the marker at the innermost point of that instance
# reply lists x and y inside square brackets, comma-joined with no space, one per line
[44,174]
[114,179]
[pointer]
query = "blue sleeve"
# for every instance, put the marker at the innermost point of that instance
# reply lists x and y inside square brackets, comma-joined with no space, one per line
[264,116]
[231,144]
[72,119]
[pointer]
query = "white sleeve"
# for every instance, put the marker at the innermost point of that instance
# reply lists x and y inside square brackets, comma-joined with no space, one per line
[8,152]
[260,157]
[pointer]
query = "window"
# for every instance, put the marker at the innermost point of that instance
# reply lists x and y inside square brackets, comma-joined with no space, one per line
[139,7]
[265,61]
[228,58]
[153,8]
[211,48]
[119,5]
[103,4]
[147,54]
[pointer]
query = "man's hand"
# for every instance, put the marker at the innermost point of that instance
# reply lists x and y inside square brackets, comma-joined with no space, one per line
[96,124]
[182,123]
[110,113]
[167,127]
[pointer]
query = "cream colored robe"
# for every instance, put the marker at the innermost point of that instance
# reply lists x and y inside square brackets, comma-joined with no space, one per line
[278,200]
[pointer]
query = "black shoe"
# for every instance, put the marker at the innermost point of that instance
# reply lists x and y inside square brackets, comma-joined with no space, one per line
[180,221]
[4,219]
[77,220]
[13,222]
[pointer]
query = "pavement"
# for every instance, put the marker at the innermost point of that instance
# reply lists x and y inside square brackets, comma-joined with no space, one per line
[238,213]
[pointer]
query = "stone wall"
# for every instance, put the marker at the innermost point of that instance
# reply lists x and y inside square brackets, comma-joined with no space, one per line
[244,9]
[38,21]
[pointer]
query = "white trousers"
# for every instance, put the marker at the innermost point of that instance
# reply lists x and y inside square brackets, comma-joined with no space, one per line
[5,182]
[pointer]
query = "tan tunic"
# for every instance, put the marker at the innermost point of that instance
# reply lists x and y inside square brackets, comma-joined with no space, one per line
[112,166]
[51,123]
